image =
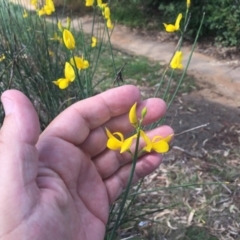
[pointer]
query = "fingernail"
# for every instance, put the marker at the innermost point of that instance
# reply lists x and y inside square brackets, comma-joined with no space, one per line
[8,105]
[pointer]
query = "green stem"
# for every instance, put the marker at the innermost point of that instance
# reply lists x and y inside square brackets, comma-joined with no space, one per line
[188,62]
[116,224]
[111,50]
[78,77]
[132,199]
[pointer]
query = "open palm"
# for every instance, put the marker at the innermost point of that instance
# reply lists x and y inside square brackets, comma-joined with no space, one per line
[59,185]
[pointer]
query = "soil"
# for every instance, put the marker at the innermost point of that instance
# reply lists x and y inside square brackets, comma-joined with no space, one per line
[193,110]
[207,105]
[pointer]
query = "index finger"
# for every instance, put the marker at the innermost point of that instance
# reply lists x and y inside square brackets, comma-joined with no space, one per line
[75,123]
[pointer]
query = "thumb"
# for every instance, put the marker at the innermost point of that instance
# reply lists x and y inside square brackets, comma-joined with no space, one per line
[18,160]
[18,136]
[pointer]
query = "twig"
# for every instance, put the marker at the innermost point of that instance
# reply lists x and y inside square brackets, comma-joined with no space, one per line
[197,155]
[191,129]
[224,186]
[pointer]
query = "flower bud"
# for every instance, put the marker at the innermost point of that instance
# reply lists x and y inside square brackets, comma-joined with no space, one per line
[144,112]
[133,115]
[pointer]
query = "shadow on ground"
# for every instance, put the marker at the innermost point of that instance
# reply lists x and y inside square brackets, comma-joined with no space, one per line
[193,110]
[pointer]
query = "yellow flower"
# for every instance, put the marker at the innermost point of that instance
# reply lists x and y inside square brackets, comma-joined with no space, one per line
[56,38]
[102,6]
[119,143]
[69,73]
[47,9]
[2,57]
[61,28]
[34,3]
[177,60]
[51,53]
[25,14]
[133,115]
[171,27]
[89,3]
[68,22]
[94,42]
[59,24]
[106,12]
[109,24]
[80,63]
[158,143]
[188,3]
[41,12]
[68,39]
[99,2]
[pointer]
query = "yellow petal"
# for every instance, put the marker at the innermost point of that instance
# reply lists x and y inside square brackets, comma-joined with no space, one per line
[50,5]
[25,14]
[34,2]
[80,63]
[106,12]
[102,6]
[68,39]
[177,60]
[169,27]
[85,64]
[41,12]
[68,22]
[94,42]
[99,2]
[69,72]
[133,115]
[166,139]
[76,61]
[62,83]
[188,3]
[89,3]
[109,24]
[2,57]
[48,11]
[113,143]
[60,28]
[177,23]
[147,140]
[110,135]
[160,146]
[127,143]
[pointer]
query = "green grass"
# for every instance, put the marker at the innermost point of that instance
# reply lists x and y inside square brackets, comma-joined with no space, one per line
[122,12]
[143,72]
[197,233]
[135,15]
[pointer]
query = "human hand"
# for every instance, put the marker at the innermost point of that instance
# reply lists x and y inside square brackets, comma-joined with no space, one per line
[59,185]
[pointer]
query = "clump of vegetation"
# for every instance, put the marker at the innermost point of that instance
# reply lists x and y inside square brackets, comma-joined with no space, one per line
[221,22]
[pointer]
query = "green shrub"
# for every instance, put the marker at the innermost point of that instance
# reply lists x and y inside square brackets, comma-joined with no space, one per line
[222,16]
